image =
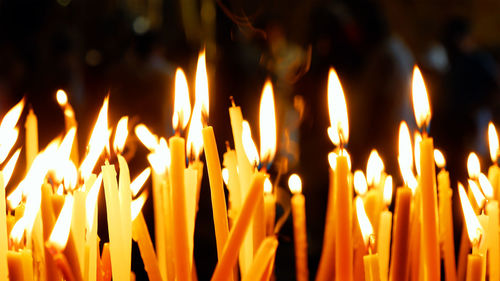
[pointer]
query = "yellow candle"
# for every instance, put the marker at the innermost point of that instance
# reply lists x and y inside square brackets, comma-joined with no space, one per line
[371,263]
[384,232]
[494,178]
[493,241]
[176,172]
[92,244]
[400,241]
[475,268]
[125,199]
[343,222]
[494,171]
[190,176]
[160,205]
[224,268]
[299,228]
[269,207]
[48,219]
[20,265]
[233,184]
[3,232]
[263,258]
[31,139]
[78,225]
[216,189]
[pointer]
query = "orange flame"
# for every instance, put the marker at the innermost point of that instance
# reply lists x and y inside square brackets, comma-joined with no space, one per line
[486,186]
[268,186]
[416,151]
[421,105]
[201,87]
[405,157]
[473,166]
[374,168]
[139,181]
[478,195]
[194,143]
[249,144]
[9,167]
[474,228]
[121,134]
[62,97]
[225,175]
[364,222]
[60,233]
[267,124]
[338,110]
[493,142]
[332,159]
[295,184]
[182,106]
[360,183]
[11,118]
[439,159]
[147,138]
[137,205]
[388,186]
[91,201]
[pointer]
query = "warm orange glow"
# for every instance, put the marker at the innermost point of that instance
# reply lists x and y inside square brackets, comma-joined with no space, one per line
[360,183]
[91,201]
[70,175]
[147,138]
[194,143]
[295,184]
[137,204]
[476,192]
[33,201]
[225,175]
[17,232]
[201,86]
[268,186]
[60,233]
[486,186]
[182,105]
[474,228]
[267,124]
[374,168]
[364,222]
[249,144]
[388,185]
[416,151]
[139,181]
[473,166]
[338,110]
[11,118]
[421,105]
[121,134]
[64,150]
[493,142]
[439,159]
[62,97]
[9,167]
[332,159]
[7,141]
[99,139]
[405,156]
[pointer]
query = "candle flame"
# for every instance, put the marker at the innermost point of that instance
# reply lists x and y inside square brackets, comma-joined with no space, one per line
[338,110]
[121,134]
[64,150]
[9,167]
[388,186]
[374,168]
[99,139]
[478,195]
[421,105]
[332,159]
[267,124]
[160,159]
[416,151]
[91,201]
[33,200]
[473,166]
[295,184]
[493,142]
[364,222]
[7,141]
[182,105]
[268,186]
[405,157]
[60,233]
[11,118]
[201,86]
[147,138]
[474,228]
[486,186]
[139,181]
[439,159]
[62,97]
[70,175]
[249,144]
[137,205]
[17,232]
[194,144]
[225,175]
[360,183]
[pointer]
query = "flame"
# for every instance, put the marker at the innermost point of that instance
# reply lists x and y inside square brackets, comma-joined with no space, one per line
[249,144]
[60,233]
[139,181]
[98,141]
[474,228]
[360,183]
[338,110]
[147,138]
[439,159]
[11,118]
[60,162]
[137,204]
[7,141]
[267,124]
[416,151]
[34,199]
[9,167]
[225,175]
[388,190]
[486,186]
[332,159]
[182,106]
[17,232]
[91,201]
[160,159]
[421,105]
[473,166]
[493,142]
[121,134]
[374,168]
[478,195]
[405,157]
[295,184]
[194,144]
[364,222]
[64,149]
[201,86]
[62,97]
[268,186]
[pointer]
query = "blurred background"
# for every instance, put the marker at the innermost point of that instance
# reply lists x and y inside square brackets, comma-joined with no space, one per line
[131,48]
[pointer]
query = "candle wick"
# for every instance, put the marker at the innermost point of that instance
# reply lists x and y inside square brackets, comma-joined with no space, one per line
[371,243]
[232,101]
[227,146]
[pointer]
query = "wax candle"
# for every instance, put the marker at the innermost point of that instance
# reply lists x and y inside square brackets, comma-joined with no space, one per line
[31,138]
[384,231]
[3,232]
[69,120]
[494,171]
[400,244]
[475,268]
[20,265]
[370,261]
[263,258]
[92,244]
[125,199]
[269,207]
[492,231]
[78,225]
[48,218]
[233,183]
[299,228]
[343,223]
[224,267]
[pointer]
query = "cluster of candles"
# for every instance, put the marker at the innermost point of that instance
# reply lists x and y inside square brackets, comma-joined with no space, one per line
[49,220]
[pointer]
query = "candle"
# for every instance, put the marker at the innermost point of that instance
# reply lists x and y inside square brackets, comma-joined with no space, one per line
[492,231]
[20,265]
[106,262]
[371,261]
[48,219]
[69,120]
[299,228]
[384,231]
[31,137]
[269,207]
[92,244]
[494,171]
[3,232]
[264,257]
[400,244]
[125,199]
[233,183]
[224,268]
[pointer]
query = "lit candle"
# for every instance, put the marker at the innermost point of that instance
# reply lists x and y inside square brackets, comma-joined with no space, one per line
[92,243]
[125,199]
[430,240]
[384,231]
[494,171]
[475,232]
[299,228]
[264,258]
[493,238]
[371,261]
[269,207]
[233,183]
[31,138]
[3,232]
[69,120]
[375,178]
[446,217]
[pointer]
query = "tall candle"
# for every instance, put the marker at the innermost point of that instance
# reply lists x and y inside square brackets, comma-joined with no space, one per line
[494,171]
[343,222]
[20,265]
[299,228]
[78,224]
[269,207]
[191,182]
[233,184]
[400,244]
[160,204]
[384,232]
[371,263]
[263,258]
[475,268]
[3,232]
[125,199]
[48,218]
[92,243]
[31,138]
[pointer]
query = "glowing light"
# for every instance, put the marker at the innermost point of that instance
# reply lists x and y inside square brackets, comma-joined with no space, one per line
[147,138]
[267,124]
[194,143]
[7,141]
[225,175]
[182,105]
[139,181]
[473,166]
[332,159]
[338,110]
[493,142]
[9,167]
[62,97]
[60,233]
[405,157]
[439,159]
[295,184]
[478,195]
[374,168]
[474,228]
[360,183]
[91,201]
[417,139]
[249,144]
[268,186]
[421,105]
[121,134]
[388,186]
[201,86]
[137,205]
[486,186]
[11,118]
[364,222]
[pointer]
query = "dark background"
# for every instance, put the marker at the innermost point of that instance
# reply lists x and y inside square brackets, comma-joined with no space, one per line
[130,49]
